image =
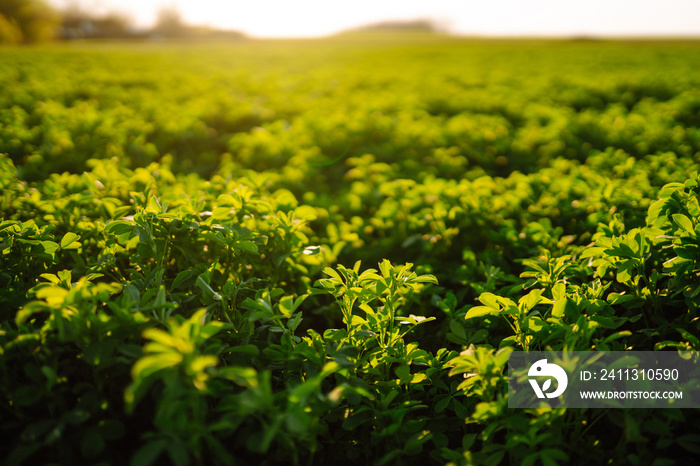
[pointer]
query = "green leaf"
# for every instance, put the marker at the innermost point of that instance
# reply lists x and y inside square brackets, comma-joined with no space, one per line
[151,364]
[490,300]
[92,444]
[243,376]
[553,456]
[616,335]
[247,246]
[559,291]
[222,212]
[441,405]
[119,228]
[27,395]
[683,222]
[70,241]
[133,293]
[416,320]
[50,278]
[286,306]
[690,442]
[403,372]
[50,375]
[37,429]
[532,299]
[147,454]
[200,363]
[690,337]
[460,410]
[161,337]
[534,324]
[76,416]
[624,271]
[181,278]
[386,268]
[458,329]
[603,321]
[207,290]
[559,307]
[427,279]
[111,429]
[49,247]
[53,295]
[591,252]
[480,311]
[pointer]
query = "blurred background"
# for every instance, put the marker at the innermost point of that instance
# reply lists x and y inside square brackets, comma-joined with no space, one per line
[30,21]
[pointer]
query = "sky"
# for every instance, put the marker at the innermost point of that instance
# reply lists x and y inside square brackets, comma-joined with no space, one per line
[315,18]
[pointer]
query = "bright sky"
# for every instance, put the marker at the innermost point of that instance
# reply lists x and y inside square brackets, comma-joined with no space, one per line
[310,18]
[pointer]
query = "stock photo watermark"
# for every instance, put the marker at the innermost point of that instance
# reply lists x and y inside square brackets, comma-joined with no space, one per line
[604,379]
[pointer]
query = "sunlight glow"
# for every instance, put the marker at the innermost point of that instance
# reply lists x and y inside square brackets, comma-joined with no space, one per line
[313,18]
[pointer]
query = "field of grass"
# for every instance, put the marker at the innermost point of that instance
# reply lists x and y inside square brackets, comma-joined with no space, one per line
[323,251]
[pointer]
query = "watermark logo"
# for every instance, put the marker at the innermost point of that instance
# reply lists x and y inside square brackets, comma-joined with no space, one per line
[604,379]
[542,369]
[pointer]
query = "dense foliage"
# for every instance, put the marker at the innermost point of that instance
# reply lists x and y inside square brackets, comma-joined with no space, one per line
[323,252]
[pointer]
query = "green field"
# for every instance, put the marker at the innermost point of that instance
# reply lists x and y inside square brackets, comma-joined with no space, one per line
[323,251]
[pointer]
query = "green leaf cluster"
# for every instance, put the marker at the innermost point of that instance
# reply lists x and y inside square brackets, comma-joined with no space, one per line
[175,248]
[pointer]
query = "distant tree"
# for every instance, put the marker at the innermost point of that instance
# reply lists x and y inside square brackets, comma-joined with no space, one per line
[27,21]
[170,23]
[9,31]
[114,24]
[78,23]
[416,25]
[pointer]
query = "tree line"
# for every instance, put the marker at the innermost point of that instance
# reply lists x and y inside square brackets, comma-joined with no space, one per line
[33,21]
